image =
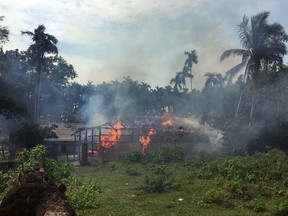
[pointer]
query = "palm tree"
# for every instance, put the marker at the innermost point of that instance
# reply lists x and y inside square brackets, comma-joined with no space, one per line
[261,42]
[214,79]
[178,81]
[191,58]
[43,44]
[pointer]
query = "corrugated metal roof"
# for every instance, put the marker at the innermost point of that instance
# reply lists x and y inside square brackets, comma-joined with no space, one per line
[64,131]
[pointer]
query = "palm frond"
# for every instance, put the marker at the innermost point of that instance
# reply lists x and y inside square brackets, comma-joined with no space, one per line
[260,19]
[246,56]
[230,74]
[27,32]
[52,38]
[232,52]
[244,33]
[276,30]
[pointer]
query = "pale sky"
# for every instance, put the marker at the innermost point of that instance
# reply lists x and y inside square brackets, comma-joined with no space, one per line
[145,39]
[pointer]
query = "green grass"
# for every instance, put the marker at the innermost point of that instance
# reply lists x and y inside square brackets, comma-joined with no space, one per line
[123,194]
[223,185]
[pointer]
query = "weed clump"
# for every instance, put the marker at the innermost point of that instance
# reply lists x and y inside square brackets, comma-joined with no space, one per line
[160,179]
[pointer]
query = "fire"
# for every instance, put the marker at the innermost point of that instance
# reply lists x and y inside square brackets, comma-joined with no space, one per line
[146,140]
[168,122]
[110,139]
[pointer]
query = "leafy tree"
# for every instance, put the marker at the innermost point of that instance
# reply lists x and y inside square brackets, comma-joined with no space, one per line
[43,44]
[261,42]
[58,72]
[72,102]
[31,135]
[55,83]
[9,107]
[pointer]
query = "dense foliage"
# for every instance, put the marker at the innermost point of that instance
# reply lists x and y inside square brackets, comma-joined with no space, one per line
[254,180]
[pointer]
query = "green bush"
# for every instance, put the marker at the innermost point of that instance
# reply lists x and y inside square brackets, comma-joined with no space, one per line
[132,170]
[59,171]
[134,157]
[237,188]
[83,195]
[30,159]
[31,135]
[281,207]
[160,180]
[214,195]
[257,205]
[3,183]
[167,155]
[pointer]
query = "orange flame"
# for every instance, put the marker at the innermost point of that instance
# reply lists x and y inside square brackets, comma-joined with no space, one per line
[110,140]
[146,140]
[168,122]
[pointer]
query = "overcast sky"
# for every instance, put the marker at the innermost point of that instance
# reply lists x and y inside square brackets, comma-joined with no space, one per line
[145,39]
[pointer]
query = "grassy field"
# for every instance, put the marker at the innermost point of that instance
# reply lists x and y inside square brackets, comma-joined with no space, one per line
[164,183]
[123,193]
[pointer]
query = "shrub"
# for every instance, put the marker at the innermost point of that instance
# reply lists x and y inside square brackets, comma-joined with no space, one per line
[3,182]
[214,195]
[281,207]
[59,171]
[84,195]
[257,205]
[132,170]
[159,180]
[167,155]
[134,157]
[238,188]
[31,135]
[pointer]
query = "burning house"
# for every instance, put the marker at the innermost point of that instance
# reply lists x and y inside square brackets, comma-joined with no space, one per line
[112,141]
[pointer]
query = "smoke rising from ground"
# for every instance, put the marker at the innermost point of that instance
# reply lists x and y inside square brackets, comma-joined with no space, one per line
[214,143]
[92,111]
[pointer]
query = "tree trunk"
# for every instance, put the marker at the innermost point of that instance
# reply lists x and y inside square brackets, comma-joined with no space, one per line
[3,152]
[238,105]
[191,92]
[36,100]
[252,106]
[38,89]
[255,75]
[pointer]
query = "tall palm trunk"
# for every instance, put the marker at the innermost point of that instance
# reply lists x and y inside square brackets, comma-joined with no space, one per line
[254,82]
[36,100]
[238,104]
[252,107]
[37,90]
[191,82]
[191,91]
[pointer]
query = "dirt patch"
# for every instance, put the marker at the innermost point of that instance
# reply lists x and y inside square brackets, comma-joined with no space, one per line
[36,194]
